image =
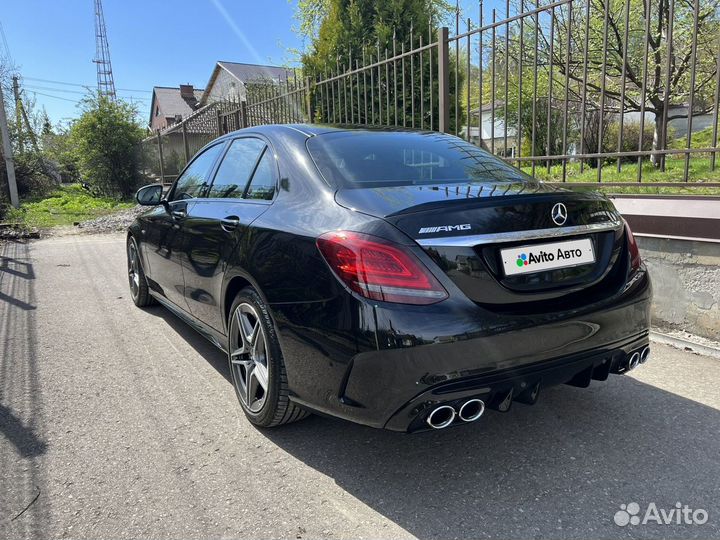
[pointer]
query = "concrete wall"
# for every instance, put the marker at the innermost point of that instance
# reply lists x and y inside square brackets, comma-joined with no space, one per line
[686,281]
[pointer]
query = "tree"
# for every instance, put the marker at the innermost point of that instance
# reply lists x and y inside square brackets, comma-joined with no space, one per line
[596,60]
[349,33]
[106,139]
[636,29]
[58,147]
[33,173]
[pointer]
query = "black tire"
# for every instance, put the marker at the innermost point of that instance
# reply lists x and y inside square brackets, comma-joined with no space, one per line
[139,291]
[276,409]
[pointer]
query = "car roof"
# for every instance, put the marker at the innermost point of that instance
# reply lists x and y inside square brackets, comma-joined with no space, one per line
[313,130]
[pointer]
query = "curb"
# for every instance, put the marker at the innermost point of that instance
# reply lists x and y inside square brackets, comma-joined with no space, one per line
[684,344]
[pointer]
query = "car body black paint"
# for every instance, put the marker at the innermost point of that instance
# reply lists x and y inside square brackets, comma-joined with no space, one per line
[385,364]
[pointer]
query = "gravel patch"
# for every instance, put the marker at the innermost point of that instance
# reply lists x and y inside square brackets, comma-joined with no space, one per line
[115,222]
[17,233]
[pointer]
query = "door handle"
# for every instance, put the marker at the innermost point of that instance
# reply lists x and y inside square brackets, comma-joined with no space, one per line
[230,223]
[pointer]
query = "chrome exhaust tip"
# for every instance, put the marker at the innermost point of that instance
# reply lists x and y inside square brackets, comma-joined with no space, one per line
[471,410]
[634,361]
[441,417]
[645,355]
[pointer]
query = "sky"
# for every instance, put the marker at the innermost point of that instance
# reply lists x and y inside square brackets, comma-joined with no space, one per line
[152,43]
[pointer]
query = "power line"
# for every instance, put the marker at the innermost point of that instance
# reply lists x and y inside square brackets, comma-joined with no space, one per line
[5,45]
[38,87]
[143,107]
[81,85]
[56,97]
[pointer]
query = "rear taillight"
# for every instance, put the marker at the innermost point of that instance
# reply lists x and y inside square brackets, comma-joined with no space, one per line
[632,248]
[379,269]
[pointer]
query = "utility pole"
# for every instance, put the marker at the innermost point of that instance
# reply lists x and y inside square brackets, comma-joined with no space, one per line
[18,117]
[21,114]
[7,151]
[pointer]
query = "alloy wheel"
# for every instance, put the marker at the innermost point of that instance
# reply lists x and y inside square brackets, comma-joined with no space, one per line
[248,357]
[133,269]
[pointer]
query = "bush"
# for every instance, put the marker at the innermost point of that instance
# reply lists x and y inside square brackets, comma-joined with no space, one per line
[631,138]
[31,174]
[106,141]
[58,148]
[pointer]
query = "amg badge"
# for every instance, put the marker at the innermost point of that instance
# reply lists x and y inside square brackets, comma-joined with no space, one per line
[445,228]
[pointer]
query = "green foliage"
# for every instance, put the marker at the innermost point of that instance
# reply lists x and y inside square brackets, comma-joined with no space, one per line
[64,206]
[33,168]
[700,139]
[57,146]
[338,26]
[173,163]
[106,142]
[30,173]
[346,33]
[700,171]
[606,46]
[631,138]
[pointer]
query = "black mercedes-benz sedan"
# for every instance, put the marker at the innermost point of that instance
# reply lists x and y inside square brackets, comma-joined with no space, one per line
[402,280]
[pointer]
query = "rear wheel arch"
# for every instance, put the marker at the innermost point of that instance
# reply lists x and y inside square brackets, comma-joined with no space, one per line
[233,287]
[236,280]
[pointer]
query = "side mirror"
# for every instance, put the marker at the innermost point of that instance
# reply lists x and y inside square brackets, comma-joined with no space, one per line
[150,195]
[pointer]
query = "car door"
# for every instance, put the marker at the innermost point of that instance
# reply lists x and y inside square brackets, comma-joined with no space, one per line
[242,189]
[164,234]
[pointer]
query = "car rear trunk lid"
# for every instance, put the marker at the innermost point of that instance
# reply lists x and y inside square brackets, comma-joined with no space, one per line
[475,232]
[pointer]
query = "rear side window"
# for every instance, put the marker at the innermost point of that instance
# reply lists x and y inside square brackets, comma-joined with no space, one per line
[263,185]
[194,179]
[361,159]
[234,172]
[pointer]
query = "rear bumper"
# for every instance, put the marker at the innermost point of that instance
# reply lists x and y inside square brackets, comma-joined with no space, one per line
[458,351]
[499,390]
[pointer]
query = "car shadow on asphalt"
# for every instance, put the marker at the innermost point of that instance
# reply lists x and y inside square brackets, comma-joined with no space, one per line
[559,468]
[214,356]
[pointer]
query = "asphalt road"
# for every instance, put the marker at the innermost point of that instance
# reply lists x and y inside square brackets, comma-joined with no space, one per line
[118,422]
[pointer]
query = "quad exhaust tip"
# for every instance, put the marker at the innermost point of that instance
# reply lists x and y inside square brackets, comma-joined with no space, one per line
[634,361]
[471,410]
[645,355]
[441,417]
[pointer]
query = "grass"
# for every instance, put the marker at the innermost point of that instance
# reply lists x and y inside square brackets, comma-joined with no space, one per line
[64,206]
[700,171]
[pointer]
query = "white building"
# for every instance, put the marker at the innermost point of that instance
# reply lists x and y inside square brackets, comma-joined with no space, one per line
[490,130]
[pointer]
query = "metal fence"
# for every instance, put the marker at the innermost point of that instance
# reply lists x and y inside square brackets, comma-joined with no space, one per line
[166,152]
[618,92]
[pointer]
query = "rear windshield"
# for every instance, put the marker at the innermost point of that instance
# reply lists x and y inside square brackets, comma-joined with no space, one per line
[364,159]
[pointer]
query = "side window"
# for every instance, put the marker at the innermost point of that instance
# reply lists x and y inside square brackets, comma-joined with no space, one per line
[236,167]
[195,177]
[263,184]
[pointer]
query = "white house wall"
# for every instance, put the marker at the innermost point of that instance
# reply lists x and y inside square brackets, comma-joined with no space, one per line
[226,87]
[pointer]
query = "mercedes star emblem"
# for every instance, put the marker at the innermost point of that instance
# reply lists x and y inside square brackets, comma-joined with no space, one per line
[559,214]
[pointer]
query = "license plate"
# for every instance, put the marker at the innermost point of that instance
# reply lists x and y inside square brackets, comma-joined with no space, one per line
[539,257]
